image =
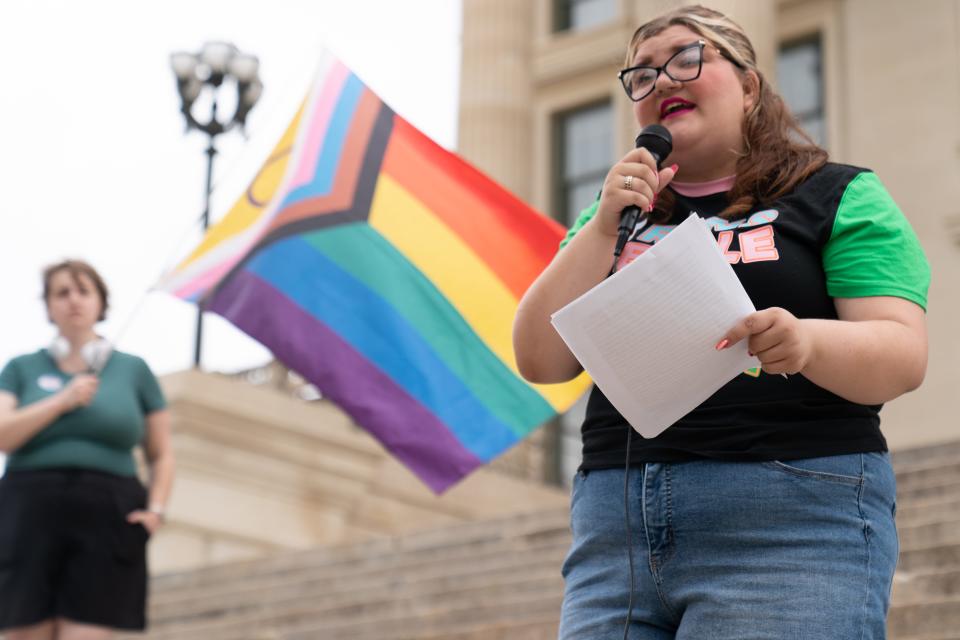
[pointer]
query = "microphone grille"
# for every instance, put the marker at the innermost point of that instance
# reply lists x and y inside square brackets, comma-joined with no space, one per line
[657,140]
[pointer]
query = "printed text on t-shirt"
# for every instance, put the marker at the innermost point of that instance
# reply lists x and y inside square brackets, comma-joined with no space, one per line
[754,236]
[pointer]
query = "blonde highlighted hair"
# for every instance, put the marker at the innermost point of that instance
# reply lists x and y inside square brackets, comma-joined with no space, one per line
[779,155]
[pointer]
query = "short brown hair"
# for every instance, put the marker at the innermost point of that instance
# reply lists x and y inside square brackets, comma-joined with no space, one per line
[75,268]
[779,154]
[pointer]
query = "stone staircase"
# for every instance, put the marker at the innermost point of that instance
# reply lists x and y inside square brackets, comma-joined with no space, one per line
[926,588]
[499,579]
[495,579]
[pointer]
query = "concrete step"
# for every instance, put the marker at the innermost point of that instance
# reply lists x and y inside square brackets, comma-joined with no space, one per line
[917,586]
[521,528]
[510,630]
[942,489]
[530,628]
[936,473]
[341,558]
[350,590]
[921,511]
[929,617]
[931,557]
[545,628]
[397,618]
[420,565]
[938,532]
[931,454]
[478,569]
[438,623]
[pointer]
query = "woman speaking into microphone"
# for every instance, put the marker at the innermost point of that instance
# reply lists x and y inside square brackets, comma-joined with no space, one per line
[776,494]
[74,518]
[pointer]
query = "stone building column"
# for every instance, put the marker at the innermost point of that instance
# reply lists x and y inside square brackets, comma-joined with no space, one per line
[496,91]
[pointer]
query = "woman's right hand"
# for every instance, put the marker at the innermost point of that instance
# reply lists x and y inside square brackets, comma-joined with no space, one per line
[79,392]
[639,170]
[542,356]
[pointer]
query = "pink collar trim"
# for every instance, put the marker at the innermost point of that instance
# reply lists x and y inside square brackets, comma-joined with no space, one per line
[699,189]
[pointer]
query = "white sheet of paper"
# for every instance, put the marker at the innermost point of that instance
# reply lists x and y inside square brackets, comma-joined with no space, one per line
[647,334]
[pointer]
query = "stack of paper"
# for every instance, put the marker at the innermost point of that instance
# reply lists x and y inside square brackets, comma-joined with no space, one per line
[647,334]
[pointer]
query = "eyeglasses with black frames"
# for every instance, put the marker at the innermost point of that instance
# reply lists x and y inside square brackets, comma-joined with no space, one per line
[683,66]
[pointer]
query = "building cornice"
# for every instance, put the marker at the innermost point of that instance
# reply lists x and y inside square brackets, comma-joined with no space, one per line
[560,56]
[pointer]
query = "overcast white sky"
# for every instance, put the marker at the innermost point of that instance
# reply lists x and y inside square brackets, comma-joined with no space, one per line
[95,163]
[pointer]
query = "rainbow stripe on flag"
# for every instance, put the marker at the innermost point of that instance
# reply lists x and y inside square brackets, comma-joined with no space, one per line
[387,272]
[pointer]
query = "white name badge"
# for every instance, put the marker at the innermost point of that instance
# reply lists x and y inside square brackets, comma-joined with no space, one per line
[50,383]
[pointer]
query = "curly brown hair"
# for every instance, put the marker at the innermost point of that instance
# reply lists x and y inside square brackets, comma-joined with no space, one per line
[778,155]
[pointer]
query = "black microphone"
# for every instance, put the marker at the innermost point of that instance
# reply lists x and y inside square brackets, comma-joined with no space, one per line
[657,140]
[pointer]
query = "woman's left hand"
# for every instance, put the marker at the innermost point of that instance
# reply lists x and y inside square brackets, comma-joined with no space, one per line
[151,521]
[777,337]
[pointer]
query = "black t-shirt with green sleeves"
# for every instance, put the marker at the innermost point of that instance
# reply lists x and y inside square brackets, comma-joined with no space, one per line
[100,436]
[837,235]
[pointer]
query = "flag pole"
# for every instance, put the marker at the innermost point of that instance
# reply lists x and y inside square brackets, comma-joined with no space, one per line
[211,152]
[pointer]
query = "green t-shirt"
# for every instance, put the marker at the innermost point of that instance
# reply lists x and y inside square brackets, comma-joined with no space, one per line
[871,250]
[99,436]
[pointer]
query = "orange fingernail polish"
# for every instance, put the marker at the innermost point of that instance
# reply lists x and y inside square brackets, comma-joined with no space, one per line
[722,344]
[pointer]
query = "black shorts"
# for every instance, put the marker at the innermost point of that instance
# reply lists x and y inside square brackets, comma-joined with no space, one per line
[67,551]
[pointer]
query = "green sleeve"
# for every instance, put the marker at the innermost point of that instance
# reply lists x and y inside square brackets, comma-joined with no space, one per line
[10,378]
[872,250]
[582,219]
[149,392]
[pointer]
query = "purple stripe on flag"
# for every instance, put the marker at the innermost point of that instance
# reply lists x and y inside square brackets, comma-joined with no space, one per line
[403,425]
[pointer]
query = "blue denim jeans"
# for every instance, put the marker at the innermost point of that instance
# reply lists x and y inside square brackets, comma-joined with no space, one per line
[803,549]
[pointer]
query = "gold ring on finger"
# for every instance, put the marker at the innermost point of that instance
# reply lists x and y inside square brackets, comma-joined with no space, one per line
[628,183]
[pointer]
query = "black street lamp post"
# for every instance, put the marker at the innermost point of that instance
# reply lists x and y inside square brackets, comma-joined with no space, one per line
[216,67]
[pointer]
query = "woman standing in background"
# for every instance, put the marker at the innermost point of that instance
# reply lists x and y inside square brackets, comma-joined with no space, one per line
[74,517]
